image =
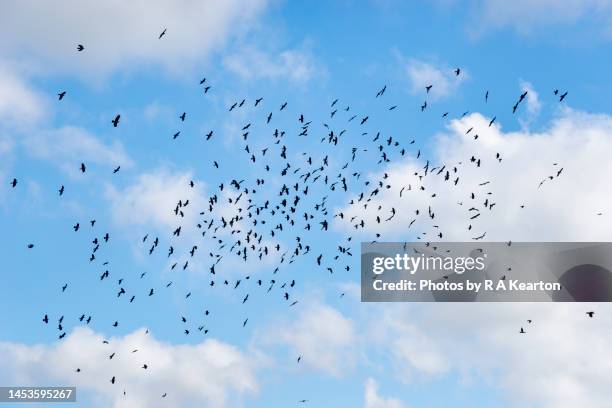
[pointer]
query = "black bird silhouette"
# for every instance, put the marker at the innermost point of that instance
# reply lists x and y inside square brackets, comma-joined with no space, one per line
[14,183]
[115,121]
[162,34]
[80,47]
[61,95]
[590,314]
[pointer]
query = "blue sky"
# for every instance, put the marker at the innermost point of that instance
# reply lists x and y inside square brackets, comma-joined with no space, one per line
[308,55]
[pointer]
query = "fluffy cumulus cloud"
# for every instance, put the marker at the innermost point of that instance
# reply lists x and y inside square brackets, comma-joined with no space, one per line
[422,74]
[483,343]
[374,400]
[412,353]
[532,369]
[250,63]
[533,98]
[151,199]
[548,185]
[118,34]
[211,373]
[323,336]
[20,105]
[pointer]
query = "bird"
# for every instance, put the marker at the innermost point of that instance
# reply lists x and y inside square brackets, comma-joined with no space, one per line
[162,34]
[457,71]
[61,95]
[83,168]
[115,121]
[80,47]
[14,183]
[522,331]
[590,314]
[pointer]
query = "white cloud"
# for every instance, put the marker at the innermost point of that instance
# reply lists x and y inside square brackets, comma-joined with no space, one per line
[526,16]
[564,208]
[253,63]
[414,355]
[422,74]
[533,99]
[374,400]
[483,343]
[323,336]
[560,362]
[211,373]
[153,197]
[20,106]
[69,146]
[118,34]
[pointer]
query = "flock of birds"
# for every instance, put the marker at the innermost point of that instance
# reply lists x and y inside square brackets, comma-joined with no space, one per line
[299,208]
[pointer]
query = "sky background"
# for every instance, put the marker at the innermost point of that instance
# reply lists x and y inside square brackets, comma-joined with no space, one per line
[306,54]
